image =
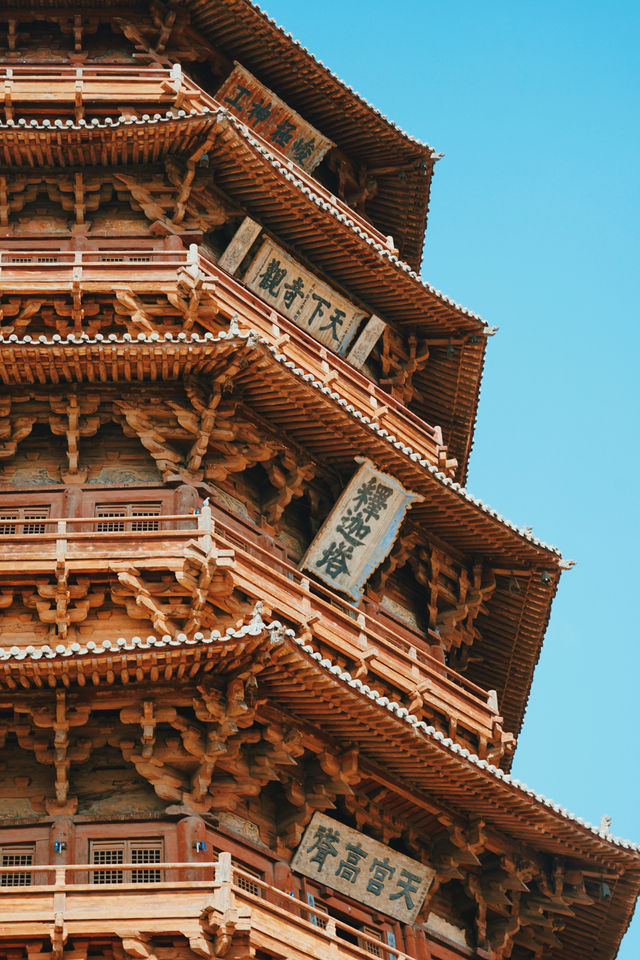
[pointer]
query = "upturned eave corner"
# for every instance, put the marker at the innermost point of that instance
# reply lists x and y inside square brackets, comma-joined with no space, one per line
[265,657]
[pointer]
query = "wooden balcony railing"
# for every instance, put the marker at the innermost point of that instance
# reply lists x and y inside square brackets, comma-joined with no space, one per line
[400,656]
[97,271]
[64,899]
[29,271]
[235,299]
[86,540]
[60,90]
[398,660]
[97,89]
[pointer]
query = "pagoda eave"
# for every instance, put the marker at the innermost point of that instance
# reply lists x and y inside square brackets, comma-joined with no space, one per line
[397,745]
[246,33]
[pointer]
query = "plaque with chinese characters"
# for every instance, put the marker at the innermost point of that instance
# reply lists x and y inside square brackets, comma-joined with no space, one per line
[362,868]
[360,530]
[302,298]
[262,111]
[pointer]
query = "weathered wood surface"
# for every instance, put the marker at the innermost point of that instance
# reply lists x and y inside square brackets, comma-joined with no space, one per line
[359,532]
[272,119]
[304,299]
[363,869]
[146,272]
[173,730]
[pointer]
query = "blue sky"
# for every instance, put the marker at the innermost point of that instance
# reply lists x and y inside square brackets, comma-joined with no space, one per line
[534,224]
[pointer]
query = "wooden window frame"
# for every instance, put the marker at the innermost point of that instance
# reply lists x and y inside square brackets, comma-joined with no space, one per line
[26,519]
[256,888]
[127,848]
[10,850]
[120,516]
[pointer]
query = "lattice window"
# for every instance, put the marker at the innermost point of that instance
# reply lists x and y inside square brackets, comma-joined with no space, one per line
[322,907]
[125,510]
[146,854]
[26,514]
[6,529]
[373,948]
[250,885]
[107,855]
[105,510]
[17,856]
[35,513]
[112,853]
[145,510]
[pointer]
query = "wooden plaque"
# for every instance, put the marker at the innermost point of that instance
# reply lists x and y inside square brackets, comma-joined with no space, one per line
[302,298]
[360,530]
[362,868]
[269,116]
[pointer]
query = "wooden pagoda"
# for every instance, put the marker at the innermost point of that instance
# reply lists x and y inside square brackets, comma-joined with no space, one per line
[264,659]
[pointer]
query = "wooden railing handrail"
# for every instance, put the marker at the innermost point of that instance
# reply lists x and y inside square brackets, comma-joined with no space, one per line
[329,923]
[351,614]
[228,539]
[115,518]
[295,333]
[136,71]
[154,259]
[224,872]
[96,867]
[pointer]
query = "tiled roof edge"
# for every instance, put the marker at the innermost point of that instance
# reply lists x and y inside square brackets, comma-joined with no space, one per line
[252,337]
[221,112]
[381,250]
[354,93]
[277,632]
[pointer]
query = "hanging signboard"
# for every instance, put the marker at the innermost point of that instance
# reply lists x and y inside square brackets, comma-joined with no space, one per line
[360,530]
[362,868]
[262,111]
[302,298]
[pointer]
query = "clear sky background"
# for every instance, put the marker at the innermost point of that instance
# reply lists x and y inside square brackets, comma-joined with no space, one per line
[534,224]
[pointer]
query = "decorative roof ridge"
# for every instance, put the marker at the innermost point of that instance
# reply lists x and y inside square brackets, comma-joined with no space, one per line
[277,633]
[253,338]
[222,113]
[349,89]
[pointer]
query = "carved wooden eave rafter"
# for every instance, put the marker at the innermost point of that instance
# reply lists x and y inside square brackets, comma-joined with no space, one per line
[62,603]
[74,417]
[181,601]
[14,428]
[323,696]
[177,195]
[227,751]
[202,433]
[166,27]
[447,513]
[60,752]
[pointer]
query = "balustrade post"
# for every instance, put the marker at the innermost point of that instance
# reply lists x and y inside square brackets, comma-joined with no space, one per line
[224,873]
[224,899]
[59,895]
[76,270]
[205,528]
[330,929]
[61,542]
